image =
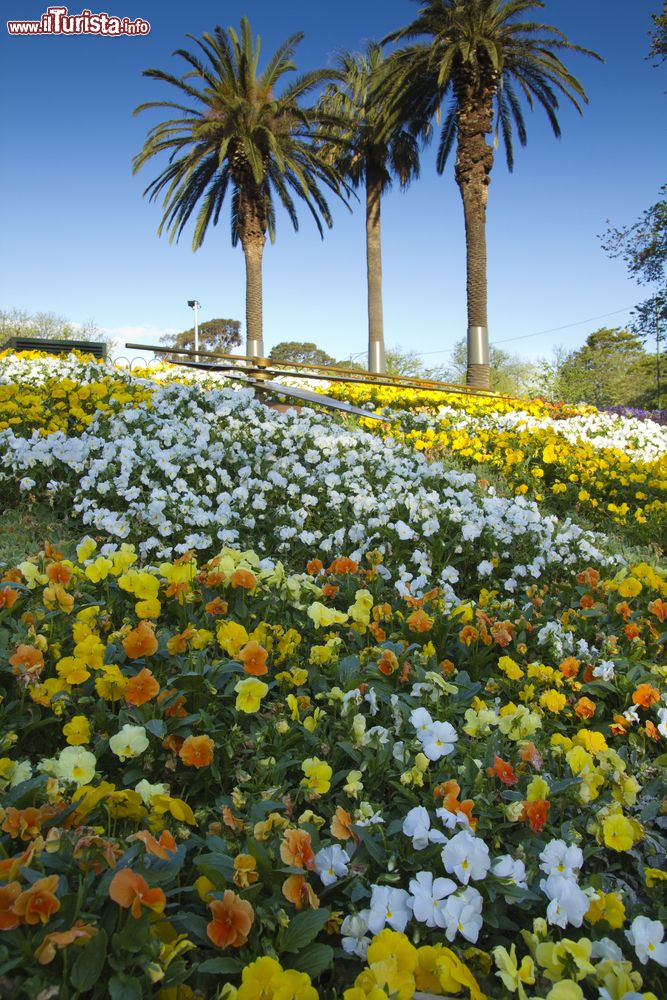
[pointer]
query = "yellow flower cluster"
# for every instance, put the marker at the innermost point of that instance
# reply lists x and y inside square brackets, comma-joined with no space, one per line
[603,483]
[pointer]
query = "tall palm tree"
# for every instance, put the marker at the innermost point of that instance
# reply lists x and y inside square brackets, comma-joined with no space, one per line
[483,57]
[234,132]
[368,152]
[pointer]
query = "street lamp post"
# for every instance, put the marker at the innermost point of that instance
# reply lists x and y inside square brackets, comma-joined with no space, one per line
[194,305]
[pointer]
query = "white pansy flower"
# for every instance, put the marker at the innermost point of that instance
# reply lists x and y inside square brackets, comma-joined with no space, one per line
[331,864]
[466,856]
[388,906]
[427,895]
[130,742]
[646,936]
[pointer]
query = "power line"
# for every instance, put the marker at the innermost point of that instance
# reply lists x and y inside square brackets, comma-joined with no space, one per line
[539,333]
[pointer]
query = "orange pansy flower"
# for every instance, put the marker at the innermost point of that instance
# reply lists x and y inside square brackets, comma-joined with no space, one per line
[197,751]
[585,708]
[8,597]
[589,578]
[646,695]
[8,896]
[27,660]
[140,641]
[341,825]
[296,849]
[314,567]
[141,688]
[162,848]
[419,621]
[623,609]
[216,607]
[536,813]
[131,891]
[502,770]
[342,565]
[297,891]
[531,755]
[468,634]
[59,573]
[10,867]
[230,820]
[177,707]
[631,630]
[377,632]
[569,667]
[38,903]
[502,633]
[26,823]
[179,643]
[652,731]
[46,950]
[388,664]
[659,609]
[243,578]
[253,656]
[329,590]
[232,920]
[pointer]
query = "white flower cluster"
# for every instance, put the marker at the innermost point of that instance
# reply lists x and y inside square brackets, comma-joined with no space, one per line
[198,468]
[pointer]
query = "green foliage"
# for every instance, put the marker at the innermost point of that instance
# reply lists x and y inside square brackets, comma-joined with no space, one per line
[508,374]
[301,352]
[44,326]
[214,335]
[478,52]
[659,36]
[403,361]
[609,370]
[237,137]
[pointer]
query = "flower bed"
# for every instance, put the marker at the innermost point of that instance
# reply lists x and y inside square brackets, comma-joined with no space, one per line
[209,764]
[610,468]
[313,714]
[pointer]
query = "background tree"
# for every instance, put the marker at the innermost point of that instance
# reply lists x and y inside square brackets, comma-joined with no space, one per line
[46,326]
[659,36]
[214,335]
[643,248]
[368,152]
[241,136]
[609,370]
[301,352]
[508,373]
[403,361]
[484,58]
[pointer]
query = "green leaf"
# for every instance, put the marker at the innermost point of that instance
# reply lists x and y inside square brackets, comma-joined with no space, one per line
[156,727]
[348,668]
[219,862]
[314,960]
[372,844]
[125,988]
[303,928]
[89,964]
[221,966]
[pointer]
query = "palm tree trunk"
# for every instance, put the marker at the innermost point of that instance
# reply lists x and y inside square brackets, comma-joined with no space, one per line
[474,160]
[376,361]
[253,249]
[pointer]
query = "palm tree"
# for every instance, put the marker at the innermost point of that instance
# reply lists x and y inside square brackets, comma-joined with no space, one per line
[367,152]
[483,57]
[234,132]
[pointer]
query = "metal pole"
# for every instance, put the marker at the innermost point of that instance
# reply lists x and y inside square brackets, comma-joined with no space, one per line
[196,309]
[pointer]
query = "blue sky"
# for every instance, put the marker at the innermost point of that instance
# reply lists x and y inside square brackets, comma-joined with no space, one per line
[78,239]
